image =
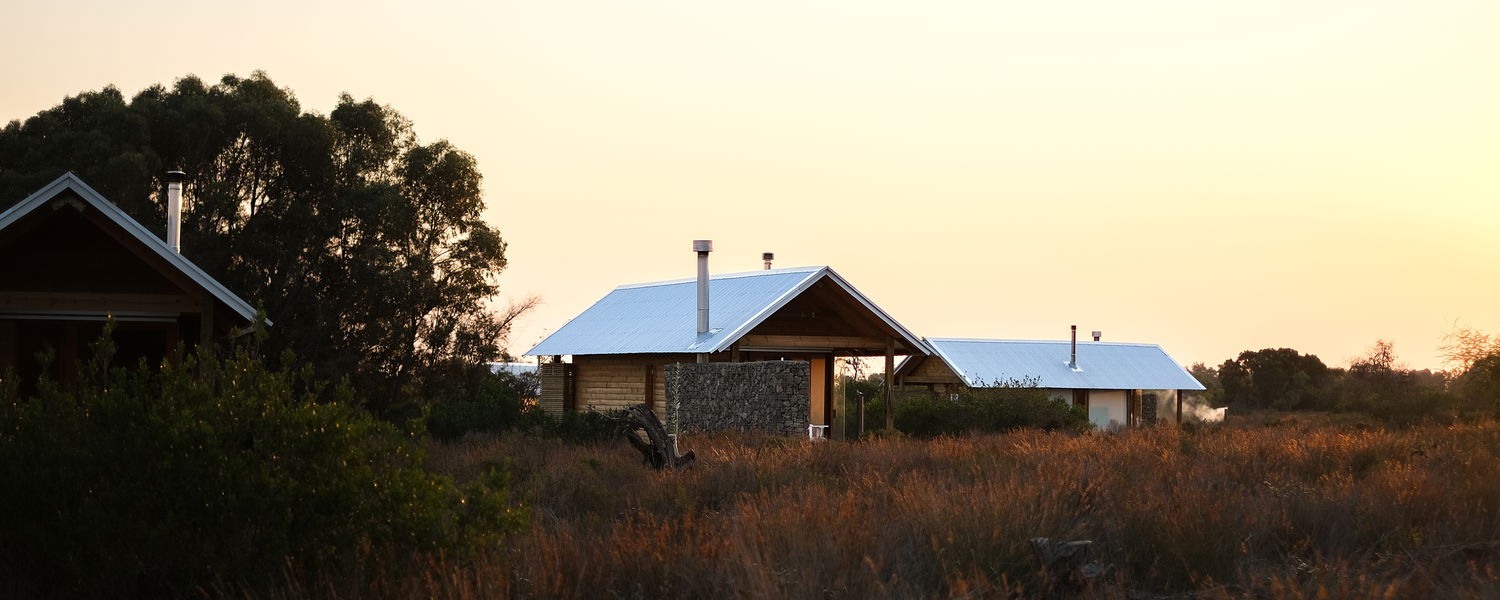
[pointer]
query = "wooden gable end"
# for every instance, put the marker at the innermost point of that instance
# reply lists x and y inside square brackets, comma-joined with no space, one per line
[66,257]
[927,370]
[824,317]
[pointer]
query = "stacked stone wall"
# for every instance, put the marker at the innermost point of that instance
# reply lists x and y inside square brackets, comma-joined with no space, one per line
[770,397]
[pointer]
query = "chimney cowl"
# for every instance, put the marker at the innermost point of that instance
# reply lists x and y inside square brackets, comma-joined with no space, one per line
[703,246]
[175,177]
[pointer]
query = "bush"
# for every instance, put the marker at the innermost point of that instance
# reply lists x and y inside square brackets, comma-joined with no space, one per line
[155,482]
[492,406]
[1479,387]
[587,427]
[498,411]
[987,409]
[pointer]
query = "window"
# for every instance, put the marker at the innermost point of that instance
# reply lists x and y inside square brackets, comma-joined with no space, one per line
[1081,398]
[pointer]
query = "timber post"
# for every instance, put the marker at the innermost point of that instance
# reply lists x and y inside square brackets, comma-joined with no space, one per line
[206,325]
[890,389]
[829,418]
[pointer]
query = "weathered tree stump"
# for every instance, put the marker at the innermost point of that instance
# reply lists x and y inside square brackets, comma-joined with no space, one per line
[659,452]
[1067,562]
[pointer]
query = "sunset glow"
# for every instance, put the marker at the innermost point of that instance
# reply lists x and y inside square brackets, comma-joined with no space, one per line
[1208,176]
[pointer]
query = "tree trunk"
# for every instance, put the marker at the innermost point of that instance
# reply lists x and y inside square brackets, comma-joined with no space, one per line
[659,452]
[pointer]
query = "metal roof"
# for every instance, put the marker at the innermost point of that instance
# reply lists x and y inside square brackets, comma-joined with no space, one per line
[514,368]
[71,182]
[1101,365]
[661,317]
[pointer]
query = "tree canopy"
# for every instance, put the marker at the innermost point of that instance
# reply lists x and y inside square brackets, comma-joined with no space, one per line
[365,246]
[1279,378]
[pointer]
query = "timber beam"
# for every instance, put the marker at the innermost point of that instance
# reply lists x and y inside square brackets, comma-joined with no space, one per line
[98,302]
[842,342]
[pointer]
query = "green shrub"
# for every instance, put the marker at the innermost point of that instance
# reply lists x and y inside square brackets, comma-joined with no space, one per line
[987,409]
[496,408]
[1414,406]
[493,406]
[587,427]
[1479,387]
[155,482]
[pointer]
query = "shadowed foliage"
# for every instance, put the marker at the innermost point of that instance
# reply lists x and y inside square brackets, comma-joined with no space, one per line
[365,246]
[154,482]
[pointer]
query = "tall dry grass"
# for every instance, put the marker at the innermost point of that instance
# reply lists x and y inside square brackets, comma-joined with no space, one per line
[1296,511]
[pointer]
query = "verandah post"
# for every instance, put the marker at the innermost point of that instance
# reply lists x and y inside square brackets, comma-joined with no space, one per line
[890,391]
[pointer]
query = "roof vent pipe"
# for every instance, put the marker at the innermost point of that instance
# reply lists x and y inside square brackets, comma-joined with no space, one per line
[768,257]
[1073,358]
[174,209]
[1098,334]
[703,247]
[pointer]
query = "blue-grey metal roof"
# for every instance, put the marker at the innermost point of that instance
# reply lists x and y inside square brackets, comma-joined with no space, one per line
[69,181]
[1101,365]
[514,368]
[661,317]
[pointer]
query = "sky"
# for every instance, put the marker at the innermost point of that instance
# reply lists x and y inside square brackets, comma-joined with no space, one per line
[1209,176]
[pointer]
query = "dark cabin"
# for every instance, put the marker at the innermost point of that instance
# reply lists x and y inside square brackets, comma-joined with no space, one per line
[70,260]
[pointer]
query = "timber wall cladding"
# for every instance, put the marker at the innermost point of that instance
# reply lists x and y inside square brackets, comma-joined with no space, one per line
[771,397]
[557,388]
[614,382]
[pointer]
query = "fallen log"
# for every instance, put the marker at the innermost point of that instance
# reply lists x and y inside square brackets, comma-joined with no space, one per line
[659,452]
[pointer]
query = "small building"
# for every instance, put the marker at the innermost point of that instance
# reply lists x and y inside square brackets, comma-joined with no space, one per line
[1118,383]
[621,345]
[73,260]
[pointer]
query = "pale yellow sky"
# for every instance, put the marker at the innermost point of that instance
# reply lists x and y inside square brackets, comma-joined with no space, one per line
[1209,176]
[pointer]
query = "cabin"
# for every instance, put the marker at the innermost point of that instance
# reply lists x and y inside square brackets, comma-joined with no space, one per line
[1120,384]
[620,346]
[73,260]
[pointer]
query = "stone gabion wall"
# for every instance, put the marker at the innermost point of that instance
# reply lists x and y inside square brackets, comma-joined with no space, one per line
[1149,402]
[771,397]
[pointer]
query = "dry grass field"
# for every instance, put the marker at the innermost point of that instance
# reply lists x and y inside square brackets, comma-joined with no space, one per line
[1291,510]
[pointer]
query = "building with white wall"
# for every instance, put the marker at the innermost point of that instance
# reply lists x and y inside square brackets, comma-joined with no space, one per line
[1115,382]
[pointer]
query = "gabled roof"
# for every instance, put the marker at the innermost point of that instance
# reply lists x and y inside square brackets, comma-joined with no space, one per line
[71,182]
[661,317]
[1101,365]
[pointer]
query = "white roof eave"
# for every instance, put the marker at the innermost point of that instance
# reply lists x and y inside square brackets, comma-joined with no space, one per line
[69,181]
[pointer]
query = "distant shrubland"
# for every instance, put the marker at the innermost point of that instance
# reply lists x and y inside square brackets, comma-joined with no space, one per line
[1376,384]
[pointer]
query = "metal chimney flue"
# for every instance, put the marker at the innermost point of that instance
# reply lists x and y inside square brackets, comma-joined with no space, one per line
[174,209]
[1098,334]
[768,257]
[1073,356]
[703,247]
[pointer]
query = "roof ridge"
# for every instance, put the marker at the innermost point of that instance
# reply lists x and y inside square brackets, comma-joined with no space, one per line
[1023,341]
[656,317]
[738,275]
